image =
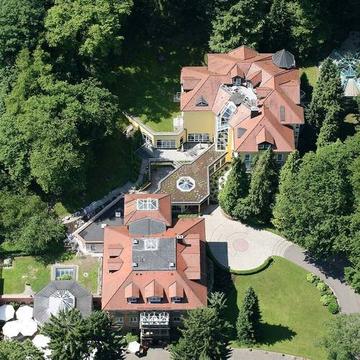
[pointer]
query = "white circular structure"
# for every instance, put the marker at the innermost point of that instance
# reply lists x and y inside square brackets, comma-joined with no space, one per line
[11,329]
[24,312]
[185,183]
[61,300]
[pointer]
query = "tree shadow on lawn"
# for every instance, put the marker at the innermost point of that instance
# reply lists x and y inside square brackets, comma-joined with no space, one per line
[273,333]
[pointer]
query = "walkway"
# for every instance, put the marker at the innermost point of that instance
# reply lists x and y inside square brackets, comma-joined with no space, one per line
[237,354]
[241,247]
[238,246]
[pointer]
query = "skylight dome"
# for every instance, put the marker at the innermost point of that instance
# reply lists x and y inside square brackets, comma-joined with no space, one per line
[147,204]
[61,300]
[185,183]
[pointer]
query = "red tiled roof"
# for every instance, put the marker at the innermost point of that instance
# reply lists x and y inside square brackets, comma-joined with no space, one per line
[162,214]
[188,279]
[276,88]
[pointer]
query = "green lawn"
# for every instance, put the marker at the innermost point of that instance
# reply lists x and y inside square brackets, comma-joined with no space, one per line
[311,72]
[28,269]
[293,318]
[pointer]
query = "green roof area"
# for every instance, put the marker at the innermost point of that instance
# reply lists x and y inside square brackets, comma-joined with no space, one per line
[162,123]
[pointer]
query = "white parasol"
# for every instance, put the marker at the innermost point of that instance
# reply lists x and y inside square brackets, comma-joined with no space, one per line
[6,312]
[24,312]
[11,329]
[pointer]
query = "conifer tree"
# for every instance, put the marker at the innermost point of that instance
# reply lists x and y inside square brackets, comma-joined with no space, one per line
[67,332]
[329,131]
[204,335]
[327,92]
[282,213]
[242,24]
[217,301]
[263,185]
[235,187]
[244,328]
[104,337]
[251,307]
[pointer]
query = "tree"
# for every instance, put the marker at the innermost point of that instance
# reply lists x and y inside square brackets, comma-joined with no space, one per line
[105,338]
[242,24]
[20,24]
[315,214]
[342,340]
[328,92]
[217,301]
[282,218]
[204,335]
[330,129]
[86,29]
[26,221]
[251,307]
[263,185]
[277,26]
[16,350]
[244,328]
[49,127]
[68,336]
[235,187]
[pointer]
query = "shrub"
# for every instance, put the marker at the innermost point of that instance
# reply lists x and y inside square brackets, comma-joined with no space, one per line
[326,299]
[310,277]
[322,287]
[333,306]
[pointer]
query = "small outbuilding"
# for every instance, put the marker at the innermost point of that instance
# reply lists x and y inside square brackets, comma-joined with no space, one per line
[61,295]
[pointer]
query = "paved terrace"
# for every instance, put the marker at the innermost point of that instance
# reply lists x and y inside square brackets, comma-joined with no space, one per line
[199,171]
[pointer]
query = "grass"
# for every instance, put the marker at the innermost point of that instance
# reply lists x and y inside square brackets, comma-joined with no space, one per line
[312,74]
[25,269]
[293,318]
[29,269]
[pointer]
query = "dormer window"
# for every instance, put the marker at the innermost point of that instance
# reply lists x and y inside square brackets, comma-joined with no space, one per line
[154,299]
[132,300]
[176,299]
[201,101]
[264,146]
[147,204]
[237,81]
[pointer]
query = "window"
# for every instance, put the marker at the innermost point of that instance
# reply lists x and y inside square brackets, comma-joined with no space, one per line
[132,300]
[264,146]
[93,247]
[147,204]
[237,81]
[133,319]
[176,299]
[199,137]
[228,110]
[280,157]
[185,183]
[165,144]
[119,319]
[177,319]
[282,113]
[154,299]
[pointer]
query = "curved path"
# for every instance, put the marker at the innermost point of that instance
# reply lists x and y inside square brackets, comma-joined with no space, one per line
[241,247]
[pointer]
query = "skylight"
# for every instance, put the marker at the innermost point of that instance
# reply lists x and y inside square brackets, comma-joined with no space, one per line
[185,183]
[147,204]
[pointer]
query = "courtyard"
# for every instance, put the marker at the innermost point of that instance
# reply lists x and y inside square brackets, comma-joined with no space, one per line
[27,270]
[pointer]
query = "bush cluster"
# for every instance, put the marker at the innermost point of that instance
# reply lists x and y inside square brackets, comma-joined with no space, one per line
[327,296]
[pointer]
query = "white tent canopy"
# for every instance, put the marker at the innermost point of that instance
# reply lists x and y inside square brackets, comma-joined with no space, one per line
[28,327]
[133,347]
[6,312]
[11,329]
[41,341]
[24,312]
